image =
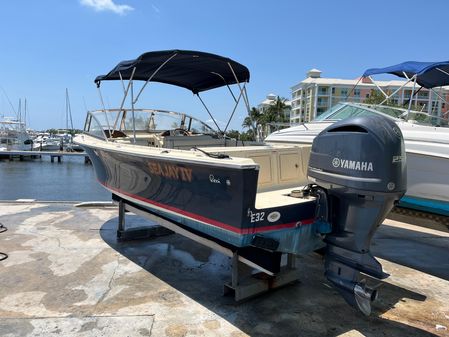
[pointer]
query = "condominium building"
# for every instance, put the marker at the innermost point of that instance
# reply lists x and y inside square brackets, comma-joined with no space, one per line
[314,95]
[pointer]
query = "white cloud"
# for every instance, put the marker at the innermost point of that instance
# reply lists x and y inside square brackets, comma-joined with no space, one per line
[106,5]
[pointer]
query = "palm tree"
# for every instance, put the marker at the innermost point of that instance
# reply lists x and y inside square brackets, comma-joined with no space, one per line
[252,120]
[275,112]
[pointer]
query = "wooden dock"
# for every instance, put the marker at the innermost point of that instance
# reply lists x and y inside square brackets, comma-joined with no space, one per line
[11,155]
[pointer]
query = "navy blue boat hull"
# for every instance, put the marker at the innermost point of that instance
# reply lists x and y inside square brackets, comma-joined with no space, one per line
[218,201]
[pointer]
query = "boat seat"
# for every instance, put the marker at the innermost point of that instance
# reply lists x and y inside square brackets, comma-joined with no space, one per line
[114,133]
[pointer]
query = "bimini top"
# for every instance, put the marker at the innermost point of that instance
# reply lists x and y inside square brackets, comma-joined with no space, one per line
[193,70]
[429,74]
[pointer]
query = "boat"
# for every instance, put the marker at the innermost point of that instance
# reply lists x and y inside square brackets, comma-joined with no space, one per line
[260,201]
[46,142]
[426,136]
[13,135]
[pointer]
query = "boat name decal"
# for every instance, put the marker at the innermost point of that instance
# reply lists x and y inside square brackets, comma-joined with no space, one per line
[214,180]
[352,164]
[171,171]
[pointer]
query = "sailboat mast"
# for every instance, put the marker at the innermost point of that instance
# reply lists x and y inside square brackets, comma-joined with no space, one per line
[20,110]
[68,110]
[25,118]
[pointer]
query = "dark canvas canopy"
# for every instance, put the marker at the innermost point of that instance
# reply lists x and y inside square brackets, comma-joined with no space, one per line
[429,74]
[193,70]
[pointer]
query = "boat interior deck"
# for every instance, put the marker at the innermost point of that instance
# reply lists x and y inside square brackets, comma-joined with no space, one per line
[277,198]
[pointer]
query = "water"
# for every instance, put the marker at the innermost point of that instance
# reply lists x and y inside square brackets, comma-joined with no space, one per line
[39,179]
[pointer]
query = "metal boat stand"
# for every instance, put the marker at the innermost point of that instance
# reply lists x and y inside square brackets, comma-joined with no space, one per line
[246,284]
[247,278]
[137,233]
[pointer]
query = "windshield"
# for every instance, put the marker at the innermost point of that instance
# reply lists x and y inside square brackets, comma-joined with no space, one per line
[145,120]
[342,111]
[425,119]
[346,110]
[327,114]
[159,121]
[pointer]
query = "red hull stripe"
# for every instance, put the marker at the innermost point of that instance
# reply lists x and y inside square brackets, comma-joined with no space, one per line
[212,222]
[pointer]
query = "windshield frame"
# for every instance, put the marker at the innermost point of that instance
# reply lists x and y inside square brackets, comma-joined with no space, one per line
[125,123]
[401,115]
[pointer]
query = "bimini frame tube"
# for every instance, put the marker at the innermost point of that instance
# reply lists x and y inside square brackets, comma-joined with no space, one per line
[235,108]
[105,113]
[207,109]
[411,97]
[124,95]
[227,85]
[397,90]
[439,96]
[434,91]
[387,97]
[134,100]
[132,112]
[151,77]
[245,98]
[121,81]
[243,94]
[414,79]
[377,86]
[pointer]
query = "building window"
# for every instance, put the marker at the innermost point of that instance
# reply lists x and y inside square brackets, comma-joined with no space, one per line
[357,92]
[333,91]
[344,92]
[322,91]
[319,111]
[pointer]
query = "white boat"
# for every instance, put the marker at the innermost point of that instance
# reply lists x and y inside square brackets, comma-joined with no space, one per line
[13,135]
[426,136]
[255,200]
[46,142]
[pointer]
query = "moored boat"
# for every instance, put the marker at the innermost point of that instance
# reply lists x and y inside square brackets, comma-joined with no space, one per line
[46,142]
[426,136]
[13,135]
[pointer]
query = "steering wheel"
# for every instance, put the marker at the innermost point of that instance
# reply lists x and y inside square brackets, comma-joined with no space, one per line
[175,132]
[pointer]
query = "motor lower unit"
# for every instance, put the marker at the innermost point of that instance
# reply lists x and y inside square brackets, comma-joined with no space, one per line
[360,163]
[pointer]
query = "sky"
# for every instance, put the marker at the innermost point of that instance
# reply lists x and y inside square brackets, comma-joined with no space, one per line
[47,46]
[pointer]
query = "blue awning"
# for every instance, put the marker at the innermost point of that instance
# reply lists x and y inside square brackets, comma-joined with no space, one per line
[429,74]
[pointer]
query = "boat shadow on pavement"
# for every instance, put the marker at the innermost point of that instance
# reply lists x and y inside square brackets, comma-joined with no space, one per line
[311,307]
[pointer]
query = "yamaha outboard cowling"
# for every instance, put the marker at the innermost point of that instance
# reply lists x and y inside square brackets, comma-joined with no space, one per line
[360,162]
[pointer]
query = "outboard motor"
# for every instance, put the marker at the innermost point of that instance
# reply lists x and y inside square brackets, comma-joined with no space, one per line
[360,162]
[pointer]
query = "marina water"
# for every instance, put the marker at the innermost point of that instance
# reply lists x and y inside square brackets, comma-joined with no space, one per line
[71,180]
